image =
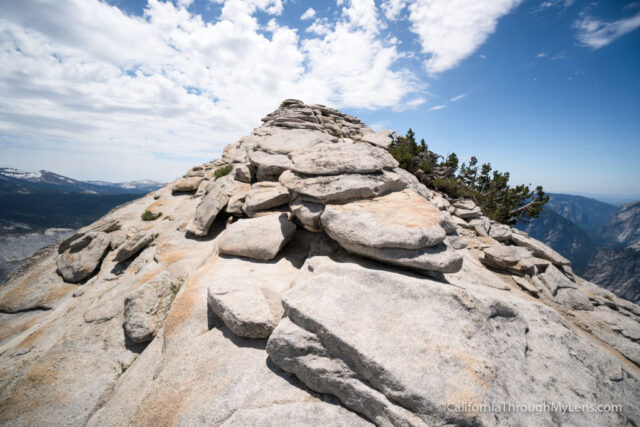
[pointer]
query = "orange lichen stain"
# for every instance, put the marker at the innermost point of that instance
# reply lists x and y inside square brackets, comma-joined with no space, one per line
[403,208]
[31,339]
[170,257]
[188,299]
[42,373]
[487,240]
[7,330]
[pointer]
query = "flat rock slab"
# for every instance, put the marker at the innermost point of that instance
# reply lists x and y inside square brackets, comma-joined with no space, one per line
[269,166]
[339,158]
[265,195]
[513,259]
[340,188]
[83,256]
[284,141]
[397,220]
[145,310]
[468,213]
[467,204]
[308,213]
[105,226]
[563,290]
[133,246]
[217,197]
[436,258]
[185,185]
[245,311]
[500,232]
[245,294]
[258,238]
[383,138]
[399,350]
[539,249]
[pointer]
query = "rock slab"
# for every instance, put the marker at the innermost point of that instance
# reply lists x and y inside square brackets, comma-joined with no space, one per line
[83,256]
[257,238]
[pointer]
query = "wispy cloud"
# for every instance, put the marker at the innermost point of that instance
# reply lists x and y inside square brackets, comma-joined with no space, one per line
[595,33]
[437,107]
[541,55]
[459,97]
[548,4]
[451,30]
[310,13]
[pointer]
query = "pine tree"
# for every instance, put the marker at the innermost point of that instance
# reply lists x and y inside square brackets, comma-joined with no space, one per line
[489,189]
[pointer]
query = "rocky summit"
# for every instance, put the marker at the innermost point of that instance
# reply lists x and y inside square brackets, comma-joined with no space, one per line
[305,279]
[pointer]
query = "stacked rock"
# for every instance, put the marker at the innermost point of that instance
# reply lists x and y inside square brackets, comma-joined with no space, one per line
[348,187]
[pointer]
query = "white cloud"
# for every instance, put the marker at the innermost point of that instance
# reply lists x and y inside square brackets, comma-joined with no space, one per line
[451,30]
[594,33]
[459,97]
[80,76]
[363,14]
[437,107]
[541,55]
[393,8]
[310,13]
[185,3]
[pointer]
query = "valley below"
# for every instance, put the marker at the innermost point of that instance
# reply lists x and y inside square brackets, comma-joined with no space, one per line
[601,240]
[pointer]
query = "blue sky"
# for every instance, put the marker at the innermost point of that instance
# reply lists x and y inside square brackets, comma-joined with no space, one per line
[130,89]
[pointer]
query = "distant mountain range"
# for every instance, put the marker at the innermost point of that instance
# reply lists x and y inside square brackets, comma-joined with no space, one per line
[40,208]
[601,240]
[13,181]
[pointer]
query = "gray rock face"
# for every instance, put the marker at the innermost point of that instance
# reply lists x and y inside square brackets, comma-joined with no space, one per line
[513,259]
[437,258]
[102,225]
[403,374]
[236,200]
[539,249]
[257,238]
[274,140]
[383,138]
[398,220]
[265,195]
[83,256]
[133,246]
[245,311]
[185,185]
[308,213]
[146,309]
[242,173]
[500,232]
[335,159]
[526,285]
[336,188]
[467,204]
[217,197]
[468,213]
[269,166]
[564,290]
